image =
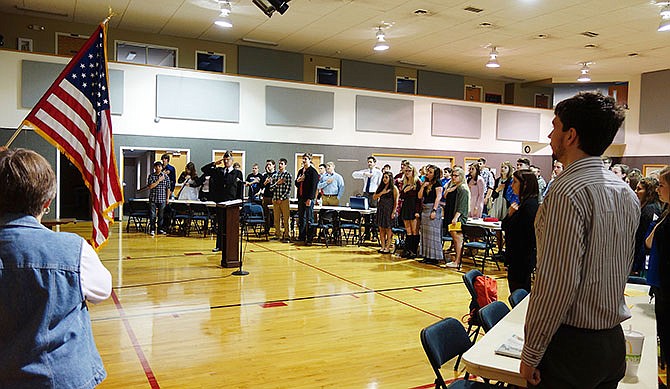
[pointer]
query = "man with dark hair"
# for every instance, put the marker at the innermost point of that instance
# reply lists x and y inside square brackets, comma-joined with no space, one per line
[280,182]
[371,177]
[522,163]
[225,184]
[268,193]
[159,184]
[585,232]
[170,170]
[306,182]
[541,183]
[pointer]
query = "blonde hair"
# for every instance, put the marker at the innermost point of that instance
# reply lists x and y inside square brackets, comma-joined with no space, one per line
[415,177]
[510,169]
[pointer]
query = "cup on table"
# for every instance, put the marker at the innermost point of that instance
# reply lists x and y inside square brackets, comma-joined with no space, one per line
[634,343]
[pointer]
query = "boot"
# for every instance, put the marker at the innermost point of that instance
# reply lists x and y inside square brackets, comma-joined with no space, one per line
[413,244]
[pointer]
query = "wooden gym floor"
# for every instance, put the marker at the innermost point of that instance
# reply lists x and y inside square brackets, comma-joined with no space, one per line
[305,316]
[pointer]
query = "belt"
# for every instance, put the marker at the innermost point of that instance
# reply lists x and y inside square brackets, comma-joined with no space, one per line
[325,195]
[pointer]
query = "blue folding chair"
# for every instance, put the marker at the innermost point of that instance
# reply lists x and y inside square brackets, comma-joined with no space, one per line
[517,296]
[491,314]
[443,341]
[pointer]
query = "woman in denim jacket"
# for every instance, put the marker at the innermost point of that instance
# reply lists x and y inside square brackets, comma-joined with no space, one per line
[46,280]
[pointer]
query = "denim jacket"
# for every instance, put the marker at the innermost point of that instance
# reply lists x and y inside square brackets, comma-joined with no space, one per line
[45,329]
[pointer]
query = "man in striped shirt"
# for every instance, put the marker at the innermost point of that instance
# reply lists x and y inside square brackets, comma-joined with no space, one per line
[585,233]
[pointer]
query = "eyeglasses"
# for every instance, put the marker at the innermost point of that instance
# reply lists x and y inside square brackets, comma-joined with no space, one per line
[454,175]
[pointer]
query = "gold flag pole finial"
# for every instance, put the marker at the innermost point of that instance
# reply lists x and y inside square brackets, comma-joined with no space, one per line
[110,14]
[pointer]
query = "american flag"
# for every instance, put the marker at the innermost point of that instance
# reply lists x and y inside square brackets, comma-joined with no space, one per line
[74,116]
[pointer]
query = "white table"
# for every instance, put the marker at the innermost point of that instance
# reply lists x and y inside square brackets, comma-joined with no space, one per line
[496,226]
[317,208]
[482,361]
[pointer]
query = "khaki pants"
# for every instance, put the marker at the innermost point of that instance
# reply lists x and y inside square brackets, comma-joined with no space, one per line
[330,200]
[281,213]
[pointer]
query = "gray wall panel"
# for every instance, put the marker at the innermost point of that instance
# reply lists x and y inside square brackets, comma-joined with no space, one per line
[367,75]
[254,61]
[457,120]
[654,97]
[37,77]
[379,114]
[518,125]
[447,85]
[299,107]
[197,99]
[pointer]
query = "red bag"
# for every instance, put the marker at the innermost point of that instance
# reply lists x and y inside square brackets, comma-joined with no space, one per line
[487,290]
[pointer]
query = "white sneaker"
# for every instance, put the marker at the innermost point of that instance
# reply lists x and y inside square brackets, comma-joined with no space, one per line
[152,233]
[452,264]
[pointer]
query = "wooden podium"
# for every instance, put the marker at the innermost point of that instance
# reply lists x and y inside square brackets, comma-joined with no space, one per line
[228,221]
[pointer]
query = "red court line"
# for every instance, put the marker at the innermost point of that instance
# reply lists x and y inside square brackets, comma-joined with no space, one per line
[352,282]
[136,345]
[274,304]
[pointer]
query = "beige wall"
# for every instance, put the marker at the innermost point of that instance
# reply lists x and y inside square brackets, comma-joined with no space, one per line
[490,86]
[312,61]
[15,26]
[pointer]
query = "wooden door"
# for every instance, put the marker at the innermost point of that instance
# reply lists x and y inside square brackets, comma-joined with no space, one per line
[473,93]
[541,101]
[620,94]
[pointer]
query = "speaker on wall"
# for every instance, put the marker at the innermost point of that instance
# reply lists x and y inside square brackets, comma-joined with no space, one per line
[532,147]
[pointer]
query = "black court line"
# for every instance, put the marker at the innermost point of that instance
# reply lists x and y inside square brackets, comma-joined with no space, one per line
[238,305]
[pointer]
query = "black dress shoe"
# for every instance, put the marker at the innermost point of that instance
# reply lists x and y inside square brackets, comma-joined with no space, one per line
[216,250]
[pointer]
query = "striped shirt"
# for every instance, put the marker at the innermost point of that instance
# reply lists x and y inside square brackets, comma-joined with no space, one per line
[585,232]
[281,191]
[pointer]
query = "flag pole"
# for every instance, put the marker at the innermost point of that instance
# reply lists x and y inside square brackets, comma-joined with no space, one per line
[16,133]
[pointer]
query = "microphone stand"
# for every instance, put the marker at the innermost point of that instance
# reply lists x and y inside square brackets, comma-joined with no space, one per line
[240,272]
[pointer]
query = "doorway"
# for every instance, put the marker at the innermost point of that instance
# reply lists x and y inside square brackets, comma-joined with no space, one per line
[473,93]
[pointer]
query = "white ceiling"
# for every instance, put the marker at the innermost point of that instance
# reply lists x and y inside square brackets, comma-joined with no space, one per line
[448,39]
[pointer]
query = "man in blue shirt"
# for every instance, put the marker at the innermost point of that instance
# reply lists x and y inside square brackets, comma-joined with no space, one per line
[332,185]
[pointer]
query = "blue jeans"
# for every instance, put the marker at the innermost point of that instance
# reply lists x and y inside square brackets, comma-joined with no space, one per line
[305,217]
[153,207]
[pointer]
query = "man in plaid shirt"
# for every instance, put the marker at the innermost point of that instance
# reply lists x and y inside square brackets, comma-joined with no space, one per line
[159,192]
[281,183]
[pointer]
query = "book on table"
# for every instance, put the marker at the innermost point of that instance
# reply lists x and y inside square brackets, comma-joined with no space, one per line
[512,347]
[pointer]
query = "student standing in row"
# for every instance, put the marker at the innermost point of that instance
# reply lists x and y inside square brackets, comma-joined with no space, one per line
[585,232]
[306,182]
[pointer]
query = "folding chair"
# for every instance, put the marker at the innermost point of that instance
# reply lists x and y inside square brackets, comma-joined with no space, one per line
[474,324]
[517,296]
[180,218]
[138,214]
[491,314]
[326,226]
[478,238]
[350,226]
[442,342]
[251,216]
[200,218]
[400,235]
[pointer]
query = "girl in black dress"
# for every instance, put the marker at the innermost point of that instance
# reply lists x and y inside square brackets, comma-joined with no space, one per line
[410,210]
[518,225]
[387,202]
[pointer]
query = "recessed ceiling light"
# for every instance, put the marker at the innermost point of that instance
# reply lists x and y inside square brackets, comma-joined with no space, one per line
[473,9]
[541,36]
[591,46]
[589,34]
[485,25]
[633,54]
[422,12]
